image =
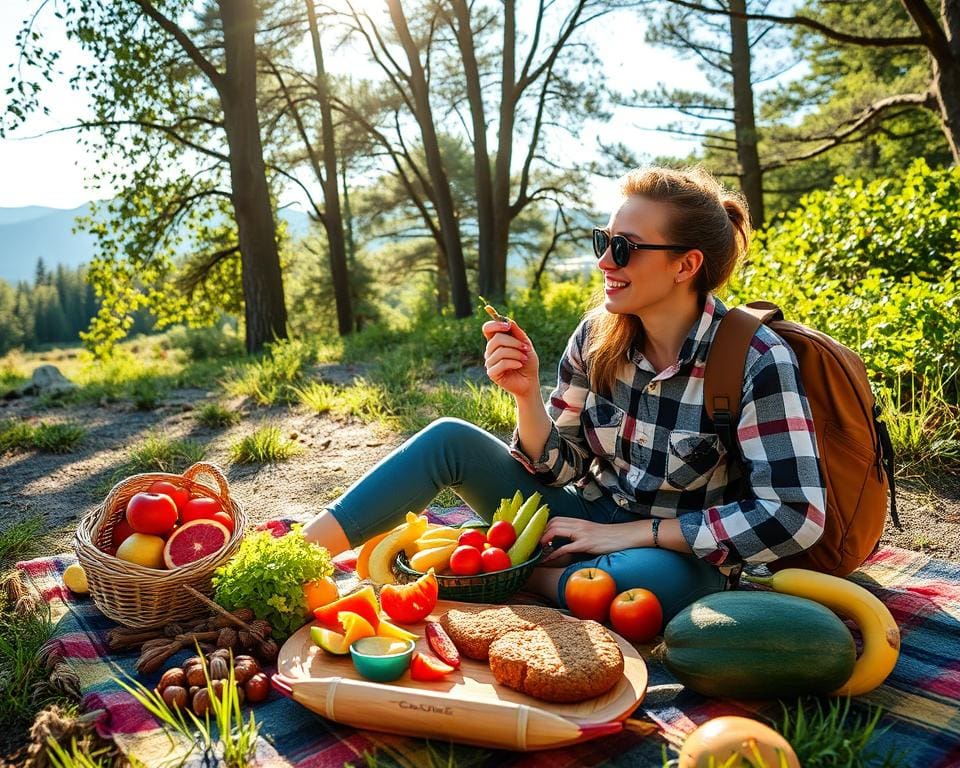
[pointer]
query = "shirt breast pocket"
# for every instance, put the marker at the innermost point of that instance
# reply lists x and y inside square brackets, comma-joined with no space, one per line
[691,459]
[602,423]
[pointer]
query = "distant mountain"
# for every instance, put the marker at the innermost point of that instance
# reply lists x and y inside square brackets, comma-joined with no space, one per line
[34,232]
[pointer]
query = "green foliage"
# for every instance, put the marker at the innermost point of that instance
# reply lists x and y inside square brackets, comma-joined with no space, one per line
[77,756]
[146,394]
[924,425]
[22,669]
[264,445]
[165,454]
[19,541]
[206,343]
[271,378]
[54,309]
[214,415]
[267,575]
[318,396]
[833,737]
[901,324]
[45,437]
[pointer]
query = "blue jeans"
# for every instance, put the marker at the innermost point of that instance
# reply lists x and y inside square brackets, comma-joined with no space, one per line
[450,453]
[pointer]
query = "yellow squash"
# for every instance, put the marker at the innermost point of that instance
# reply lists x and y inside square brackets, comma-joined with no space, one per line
[881,635]
[383,555]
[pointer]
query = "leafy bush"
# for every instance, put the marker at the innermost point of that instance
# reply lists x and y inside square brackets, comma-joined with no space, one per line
[206,343]
[902,226]
[904,326]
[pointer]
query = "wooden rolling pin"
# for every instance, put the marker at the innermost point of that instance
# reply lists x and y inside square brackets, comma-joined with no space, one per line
[418,712]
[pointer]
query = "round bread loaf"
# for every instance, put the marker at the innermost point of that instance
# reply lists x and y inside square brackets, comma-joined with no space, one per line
[564,661]
[472,631]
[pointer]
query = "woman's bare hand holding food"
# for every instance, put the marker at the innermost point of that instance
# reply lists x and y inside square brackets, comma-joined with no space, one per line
[510,359]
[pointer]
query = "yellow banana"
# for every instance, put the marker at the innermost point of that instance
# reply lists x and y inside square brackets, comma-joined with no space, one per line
[443,532]
[384,553]
[437,558]
[881,635]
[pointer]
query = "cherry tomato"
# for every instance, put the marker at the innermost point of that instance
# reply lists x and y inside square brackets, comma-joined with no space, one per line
[589,592]
[494,559]
[472,538]
[502,534]
[410,603]
[427,668]
[441,644]
[178,493]
[465,561]
[153,513]
[636,614]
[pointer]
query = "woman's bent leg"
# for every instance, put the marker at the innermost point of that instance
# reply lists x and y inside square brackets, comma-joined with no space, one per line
[449,453]
[676,579]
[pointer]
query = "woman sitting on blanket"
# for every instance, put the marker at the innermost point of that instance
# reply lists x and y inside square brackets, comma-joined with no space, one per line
[637,482]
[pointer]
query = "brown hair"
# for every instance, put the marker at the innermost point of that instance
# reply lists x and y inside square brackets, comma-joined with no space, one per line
[702,212]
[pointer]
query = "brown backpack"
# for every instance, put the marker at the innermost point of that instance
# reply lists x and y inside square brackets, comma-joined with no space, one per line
[856,455]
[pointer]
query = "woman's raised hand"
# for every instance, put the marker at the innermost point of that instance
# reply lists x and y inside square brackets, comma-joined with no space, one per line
[510,359]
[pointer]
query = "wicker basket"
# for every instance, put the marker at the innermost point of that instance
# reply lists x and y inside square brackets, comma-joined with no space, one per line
[135,595]
[496,587]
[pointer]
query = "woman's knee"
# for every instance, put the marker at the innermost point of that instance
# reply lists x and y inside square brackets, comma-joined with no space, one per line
[448,429]
[676,579]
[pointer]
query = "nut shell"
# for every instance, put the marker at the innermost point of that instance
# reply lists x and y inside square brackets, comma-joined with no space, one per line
[173,676]
[175,696]
[195,676]
[201,702]
[218,668]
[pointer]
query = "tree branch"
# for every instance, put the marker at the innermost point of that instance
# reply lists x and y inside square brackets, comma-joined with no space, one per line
[170,26]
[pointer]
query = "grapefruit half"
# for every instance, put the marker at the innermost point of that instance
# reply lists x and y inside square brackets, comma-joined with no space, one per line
[193,541]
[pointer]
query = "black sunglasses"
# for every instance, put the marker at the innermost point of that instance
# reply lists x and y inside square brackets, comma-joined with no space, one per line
[621,247]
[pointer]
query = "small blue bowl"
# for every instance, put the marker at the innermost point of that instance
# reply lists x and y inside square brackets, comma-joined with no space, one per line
[371,662]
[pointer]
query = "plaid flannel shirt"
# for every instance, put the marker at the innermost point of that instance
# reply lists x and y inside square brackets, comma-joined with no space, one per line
[651,446]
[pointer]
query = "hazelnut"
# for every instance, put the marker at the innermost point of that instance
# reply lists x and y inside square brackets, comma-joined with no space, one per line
[175,696]
[245,669]
[173,676]
[201,702]
[195,676]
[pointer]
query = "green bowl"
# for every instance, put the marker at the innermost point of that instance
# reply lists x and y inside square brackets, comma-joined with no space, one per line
[496,587]
[380,667]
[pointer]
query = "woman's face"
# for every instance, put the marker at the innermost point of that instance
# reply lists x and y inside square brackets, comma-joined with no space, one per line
[650,276]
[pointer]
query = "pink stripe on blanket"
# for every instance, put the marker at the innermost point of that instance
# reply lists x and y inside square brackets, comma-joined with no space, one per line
[123,714]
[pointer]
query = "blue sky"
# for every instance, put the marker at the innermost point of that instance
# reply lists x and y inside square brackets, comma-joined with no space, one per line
[49,170]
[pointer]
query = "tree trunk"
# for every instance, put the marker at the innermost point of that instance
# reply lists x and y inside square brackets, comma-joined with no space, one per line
[332,218]
[483,182]
[446,211]
[264,308]
[946,79]
[501,181]
[751,177]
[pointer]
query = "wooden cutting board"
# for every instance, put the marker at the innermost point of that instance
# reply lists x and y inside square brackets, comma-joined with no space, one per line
[469,706]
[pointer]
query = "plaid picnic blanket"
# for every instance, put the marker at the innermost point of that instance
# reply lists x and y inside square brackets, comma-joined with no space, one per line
[920,698]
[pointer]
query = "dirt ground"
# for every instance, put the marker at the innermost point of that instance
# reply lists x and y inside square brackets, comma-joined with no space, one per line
[336,453]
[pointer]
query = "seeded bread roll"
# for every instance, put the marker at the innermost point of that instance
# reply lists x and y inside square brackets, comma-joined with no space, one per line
[472,631]
[564,662]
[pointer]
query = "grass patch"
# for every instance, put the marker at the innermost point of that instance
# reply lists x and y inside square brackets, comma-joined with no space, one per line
[60,437]
[146,393]
[214,416]
[271,379]
[924,425]
[317,396]
[157,453]
[833,737]
[22,670]
[264,446]
[19,541]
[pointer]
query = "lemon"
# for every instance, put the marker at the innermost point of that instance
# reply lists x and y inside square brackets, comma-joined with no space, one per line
[75,578]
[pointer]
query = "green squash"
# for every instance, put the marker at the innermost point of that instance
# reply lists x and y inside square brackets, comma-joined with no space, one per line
[758,645]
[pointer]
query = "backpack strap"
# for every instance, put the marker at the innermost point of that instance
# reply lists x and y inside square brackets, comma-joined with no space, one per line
[723,377]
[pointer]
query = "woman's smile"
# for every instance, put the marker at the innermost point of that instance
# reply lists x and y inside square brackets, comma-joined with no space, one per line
[612,286]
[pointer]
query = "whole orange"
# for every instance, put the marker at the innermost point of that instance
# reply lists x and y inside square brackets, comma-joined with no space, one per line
[320,592]
[589,592]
